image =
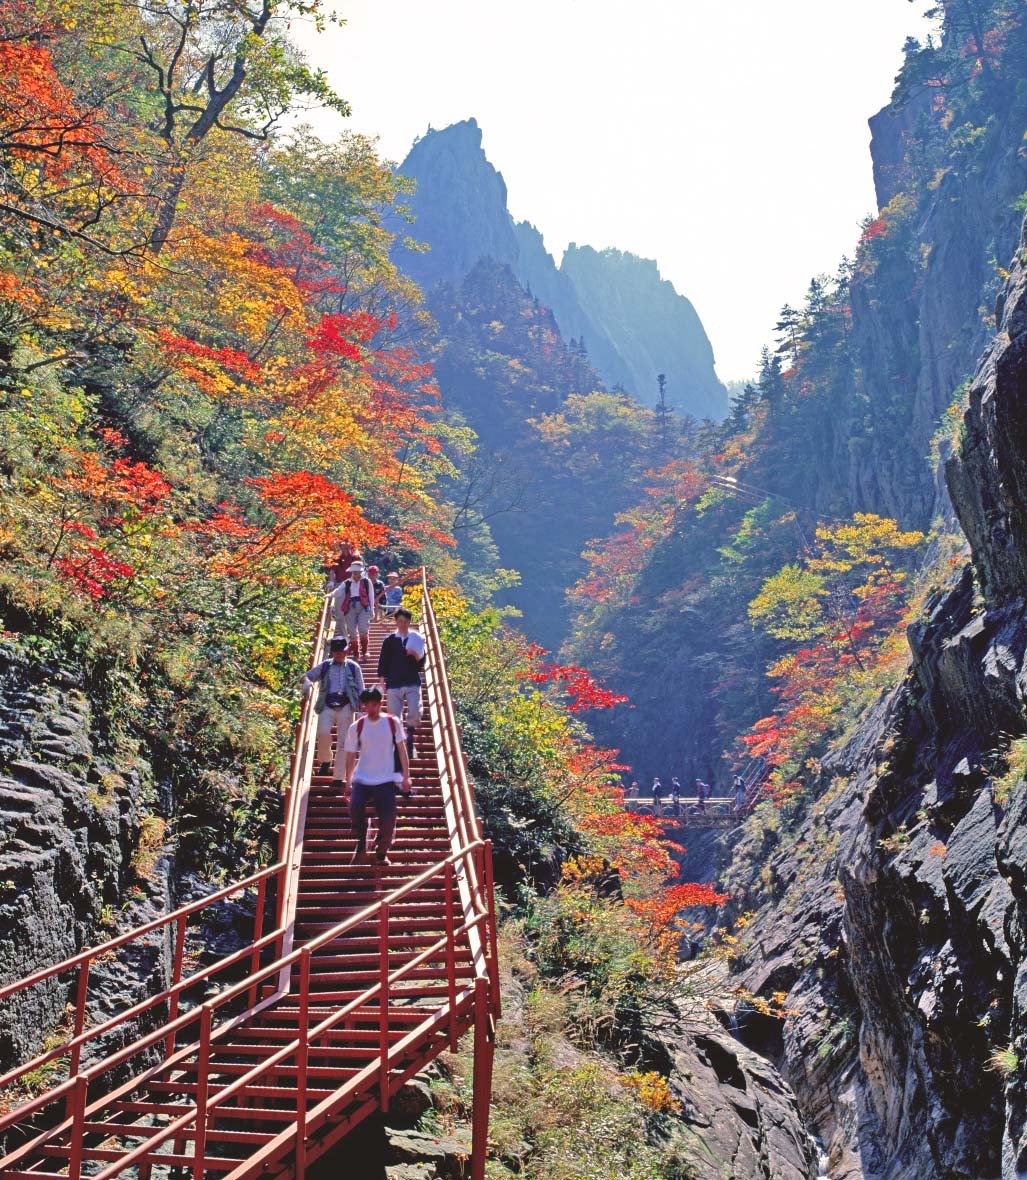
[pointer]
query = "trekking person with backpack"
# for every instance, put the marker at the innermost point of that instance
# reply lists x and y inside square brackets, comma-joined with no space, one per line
[399,669]
[353,608]
[340,683]
[376,764]
[740,795]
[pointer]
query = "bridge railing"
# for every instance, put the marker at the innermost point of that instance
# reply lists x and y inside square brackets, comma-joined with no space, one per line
[77,972]
[188,1038]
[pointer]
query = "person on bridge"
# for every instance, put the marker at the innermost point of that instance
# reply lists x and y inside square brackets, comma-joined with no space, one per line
[399,669]
[376,764]
[740,794]
[340,683]
[702,793]
[353,607]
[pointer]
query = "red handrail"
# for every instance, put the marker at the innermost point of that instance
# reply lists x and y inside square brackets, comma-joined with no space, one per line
[466,872]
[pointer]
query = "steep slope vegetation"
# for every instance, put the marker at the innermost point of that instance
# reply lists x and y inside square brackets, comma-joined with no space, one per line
[852,409]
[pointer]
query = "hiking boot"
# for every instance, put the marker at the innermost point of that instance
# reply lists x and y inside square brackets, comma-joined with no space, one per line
[358,855]
[384,861]
[324,770]
[338,784]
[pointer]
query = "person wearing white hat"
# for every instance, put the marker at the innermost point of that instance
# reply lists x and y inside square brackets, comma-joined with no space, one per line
[353,606]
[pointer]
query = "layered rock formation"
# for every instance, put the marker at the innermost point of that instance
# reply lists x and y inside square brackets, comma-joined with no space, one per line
[70,810]
[895,920]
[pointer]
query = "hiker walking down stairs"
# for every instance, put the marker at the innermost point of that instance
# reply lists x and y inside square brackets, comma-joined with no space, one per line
[399,669]
[340,683]
[353,608]
[376,762]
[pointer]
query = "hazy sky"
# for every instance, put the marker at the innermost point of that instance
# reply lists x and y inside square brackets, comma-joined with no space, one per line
[727,139]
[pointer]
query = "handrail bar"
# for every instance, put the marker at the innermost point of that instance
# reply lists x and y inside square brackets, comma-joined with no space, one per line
[120,940]
[362,916]
[282,1054]
[138,1009]
[329,1022]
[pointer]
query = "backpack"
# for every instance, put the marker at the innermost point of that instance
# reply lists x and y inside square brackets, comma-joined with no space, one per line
[397,765]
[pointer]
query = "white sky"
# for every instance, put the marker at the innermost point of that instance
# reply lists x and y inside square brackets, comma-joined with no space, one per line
[725,138]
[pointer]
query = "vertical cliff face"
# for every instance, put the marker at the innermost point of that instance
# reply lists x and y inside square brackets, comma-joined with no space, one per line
[460,206]
[895,919]
[922,316]
[634,324]
[656,329]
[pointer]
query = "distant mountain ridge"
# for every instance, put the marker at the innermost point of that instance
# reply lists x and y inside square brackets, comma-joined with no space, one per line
[633,323]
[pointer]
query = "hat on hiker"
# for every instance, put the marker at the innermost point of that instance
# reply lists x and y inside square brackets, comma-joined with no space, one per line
[338,645]
[372,569]
[371,694]
[389,577]
[356,568]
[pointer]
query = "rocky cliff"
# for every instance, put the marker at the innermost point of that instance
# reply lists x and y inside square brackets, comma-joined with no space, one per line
[633,323]
[70,812]
[656,329]
[895,917]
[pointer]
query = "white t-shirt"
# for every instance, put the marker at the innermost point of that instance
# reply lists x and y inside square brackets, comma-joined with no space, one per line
[376,762]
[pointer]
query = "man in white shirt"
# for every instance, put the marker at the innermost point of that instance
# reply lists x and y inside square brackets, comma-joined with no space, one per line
[376,761]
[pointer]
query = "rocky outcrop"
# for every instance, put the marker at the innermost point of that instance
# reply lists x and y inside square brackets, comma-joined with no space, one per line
[459,205]
[738,1117]
[70,807]
[895,918]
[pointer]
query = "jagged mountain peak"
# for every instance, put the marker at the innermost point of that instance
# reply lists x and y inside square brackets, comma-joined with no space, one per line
[462,213]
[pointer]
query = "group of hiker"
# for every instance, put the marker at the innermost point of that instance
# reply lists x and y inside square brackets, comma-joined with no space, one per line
[375,740]
[666,799]
[359,596]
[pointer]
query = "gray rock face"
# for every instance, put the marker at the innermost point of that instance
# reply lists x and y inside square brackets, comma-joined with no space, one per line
[634,323]
[738,1117]
[460,205]
[895,919]
[69,823]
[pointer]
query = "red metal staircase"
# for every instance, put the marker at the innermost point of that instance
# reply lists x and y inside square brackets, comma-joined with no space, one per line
[257,1061]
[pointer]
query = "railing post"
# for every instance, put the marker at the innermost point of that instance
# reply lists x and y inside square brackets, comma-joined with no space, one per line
[484,1047]
[202,1080]
[302,1054]
[383,1005]
[81,991]
[176,979]
[79,1098]
[451,956]
[490,901]
[258,931]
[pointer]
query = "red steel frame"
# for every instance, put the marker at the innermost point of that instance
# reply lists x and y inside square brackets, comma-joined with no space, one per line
[470,920]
